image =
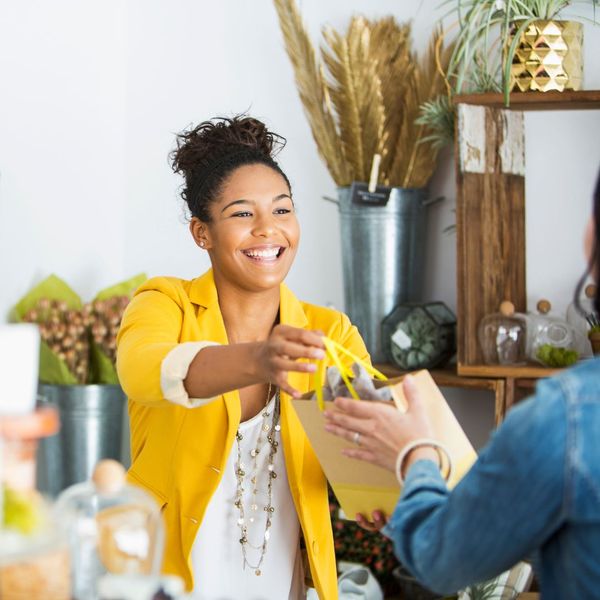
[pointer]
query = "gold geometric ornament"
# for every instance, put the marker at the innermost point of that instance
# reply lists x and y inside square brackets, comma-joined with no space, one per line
[548,57]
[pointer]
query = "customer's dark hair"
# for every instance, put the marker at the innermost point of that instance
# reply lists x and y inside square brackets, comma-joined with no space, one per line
[207,154]
[594,264]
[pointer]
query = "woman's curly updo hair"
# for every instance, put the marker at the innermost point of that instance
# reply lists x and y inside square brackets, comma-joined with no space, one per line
[208,154]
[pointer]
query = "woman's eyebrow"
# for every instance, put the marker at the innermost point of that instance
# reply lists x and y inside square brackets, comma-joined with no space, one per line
[244,201]
[241,201]
[282,197]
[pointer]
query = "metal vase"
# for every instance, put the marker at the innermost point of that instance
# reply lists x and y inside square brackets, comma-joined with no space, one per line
[91,428]
[383,252]
[548,56]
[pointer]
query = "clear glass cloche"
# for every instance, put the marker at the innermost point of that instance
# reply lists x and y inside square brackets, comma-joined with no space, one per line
[548,332]
[112,528]
[502,336]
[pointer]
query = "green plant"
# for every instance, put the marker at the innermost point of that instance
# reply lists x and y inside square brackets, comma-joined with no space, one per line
[556,357]
[477,64]
[486,28]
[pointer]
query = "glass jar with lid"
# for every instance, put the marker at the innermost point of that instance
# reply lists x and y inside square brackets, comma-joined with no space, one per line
[113,528]
[502,336]
[34,557]
[546,332]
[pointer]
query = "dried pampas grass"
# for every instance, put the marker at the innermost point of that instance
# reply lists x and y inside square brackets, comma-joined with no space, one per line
[364,95]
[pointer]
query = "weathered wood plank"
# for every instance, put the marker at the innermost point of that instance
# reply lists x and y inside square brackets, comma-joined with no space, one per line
[490,209]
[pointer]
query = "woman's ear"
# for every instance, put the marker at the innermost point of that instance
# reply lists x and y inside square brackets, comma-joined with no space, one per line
[199,231]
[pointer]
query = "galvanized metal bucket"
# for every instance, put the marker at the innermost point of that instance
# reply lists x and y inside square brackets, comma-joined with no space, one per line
[91,428]
[383,258]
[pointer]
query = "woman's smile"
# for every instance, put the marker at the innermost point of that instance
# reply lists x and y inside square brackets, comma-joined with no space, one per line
[264,254]
[253,235]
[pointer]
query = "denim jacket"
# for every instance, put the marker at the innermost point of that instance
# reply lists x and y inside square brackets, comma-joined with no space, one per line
[533,492]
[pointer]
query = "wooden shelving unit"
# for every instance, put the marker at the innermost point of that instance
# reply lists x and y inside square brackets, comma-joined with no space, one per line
[490,222]
[581,100]
[448,377]
[524,372]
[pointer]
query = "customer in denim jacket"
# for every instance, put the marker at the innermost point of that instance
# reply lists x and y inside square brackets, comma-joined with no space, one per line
[534,491]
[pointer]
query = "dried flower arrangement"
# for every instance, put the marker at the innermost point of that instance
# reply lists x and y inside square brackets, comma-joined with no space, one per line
[78,341]
[364,95]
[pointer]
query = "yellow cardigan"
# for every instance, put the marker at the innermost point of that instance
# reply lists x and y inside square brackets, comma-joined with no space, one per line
[178,453]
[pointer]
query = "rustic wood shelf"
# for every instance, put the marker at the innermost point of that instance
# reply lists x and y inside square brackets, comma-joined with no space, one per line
[503,382]
[447,377]
[569,100]
[524,372]
[490,223]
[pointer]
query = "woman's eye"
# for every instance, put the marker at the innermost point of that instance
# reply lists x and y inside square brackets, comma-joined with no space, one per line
[282,211]
[242,213]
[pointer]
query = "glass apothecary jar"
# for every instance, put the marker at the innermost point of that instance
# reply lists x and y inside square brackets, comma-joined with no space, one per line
[419,336]
[502,336]
[34,557]
[113,528]
[551,341]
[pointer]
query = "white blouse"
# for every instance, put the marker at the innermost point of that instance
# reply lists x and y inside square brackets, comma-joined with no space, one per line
[217,559]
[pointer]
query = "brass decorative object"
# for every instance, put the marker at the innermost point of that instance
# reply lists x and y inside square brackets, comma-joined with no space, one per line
[548,57]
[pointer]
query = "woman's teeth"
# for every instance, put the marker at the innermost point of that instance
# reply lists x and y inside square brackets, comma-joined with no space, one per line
[270,253]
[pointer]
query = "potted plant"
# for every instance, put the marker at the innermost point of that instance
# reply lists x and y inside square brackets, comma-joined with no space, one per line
[515,45]
[77,375]
[362,97]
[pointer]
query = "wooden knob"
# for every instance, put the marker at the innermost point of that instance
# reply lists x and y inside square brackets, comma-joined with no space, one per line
[507,308]
[590,290]
[109,476]
[544,306]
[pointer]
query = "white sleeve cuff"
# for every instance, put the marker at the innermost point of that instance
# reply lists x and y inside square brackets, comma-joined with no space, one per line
[174,369]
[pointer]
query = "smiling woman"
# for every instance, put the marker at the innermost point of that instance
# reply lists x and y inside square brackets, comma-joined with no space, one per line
[210,365]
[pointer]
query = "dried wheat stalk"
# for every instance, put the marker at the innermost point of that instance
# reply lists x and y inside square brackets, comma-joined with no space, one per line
[355,90]
[312,89]
[369,97]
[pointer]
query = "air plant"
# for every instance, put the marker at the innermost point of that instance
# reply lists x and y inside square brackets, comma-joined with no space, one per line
[488,36]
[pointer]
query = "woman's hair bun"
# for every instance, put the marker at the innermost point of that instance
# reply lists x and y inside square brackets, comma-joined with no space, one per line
[222,136]
[207,153]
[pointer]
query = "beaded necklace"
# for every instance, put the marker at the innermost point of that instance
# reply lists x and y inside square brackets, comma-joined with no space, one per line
[270,429]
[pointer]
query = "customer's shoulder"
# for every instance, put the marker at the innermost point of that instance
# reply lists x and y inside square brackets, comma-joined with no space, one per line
[577,384]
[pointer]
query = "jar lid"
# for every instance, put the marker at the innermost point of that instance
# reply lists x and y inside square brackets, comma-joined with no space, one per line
[42,422]
[544,306]
[507,308]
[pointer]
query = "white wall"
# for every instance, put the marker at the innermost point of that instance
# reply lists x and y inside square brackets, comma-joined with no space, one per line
[93,92]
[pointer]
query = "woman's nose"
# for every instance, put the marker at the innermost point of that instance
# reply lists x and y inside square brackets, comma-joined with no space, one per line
[263,226]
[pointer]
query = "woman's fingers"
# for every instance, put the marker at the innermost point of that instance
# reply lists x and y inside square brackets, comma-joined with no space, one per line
[304,337]
[379,520]
[412,395]
[344,425]
[296,350]
[361,410]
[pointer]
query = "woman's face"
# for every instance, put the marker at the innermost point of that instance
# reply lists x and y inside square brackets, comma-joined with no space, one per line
[254,233]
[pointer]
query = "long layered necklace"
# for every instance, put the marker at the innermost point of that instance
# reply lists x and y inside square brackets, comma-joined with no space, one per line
[269,428]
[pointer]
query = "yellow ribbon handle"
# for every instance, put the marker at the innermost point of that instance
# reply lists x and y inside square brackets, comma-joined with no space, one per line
[333,350]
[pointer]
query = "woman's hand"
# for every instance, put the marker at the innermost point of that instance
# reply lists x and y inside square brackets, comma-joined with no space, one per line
[378,430]
[377,524]
[282,351]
